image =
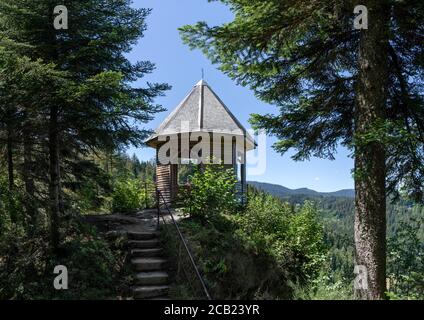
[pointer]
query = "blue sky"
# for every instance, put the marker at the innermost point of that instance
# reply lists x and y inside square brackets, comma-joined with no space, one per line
[180,67]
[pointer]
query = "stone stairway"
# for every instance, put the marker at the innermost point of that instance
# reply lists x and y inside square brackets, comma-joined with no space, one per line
[146,254]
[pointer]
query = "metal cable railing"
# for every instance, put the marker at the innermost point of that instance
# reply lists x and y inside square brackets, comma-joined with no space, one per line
[183,242]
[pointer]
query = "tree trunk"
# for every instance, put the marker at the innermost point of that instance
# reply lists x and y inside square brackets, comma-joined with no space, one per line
[54,186]
[370,173]
[27,172]
[10,172]
[10,168]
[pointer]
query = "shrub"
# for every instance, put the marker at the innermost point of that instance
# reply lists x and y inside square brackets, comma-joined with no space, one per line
[291,235]
[91,265]
[26,265]
[90,197]
[211,191]
[277,248]
[130,195]
[325,287]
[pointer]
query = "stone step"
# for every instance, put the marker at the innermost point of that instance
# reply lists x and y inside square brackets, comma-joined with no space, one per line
[148,264]
[143,244]
[151,278]
[145,292]
[155,252]
[116,234]
[142,235]
[159,298]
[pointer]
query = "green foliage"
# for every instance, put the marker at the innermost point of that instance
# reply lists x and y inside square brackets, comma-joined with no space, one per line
[11,207]
[211,191]
[103,184]
[88,197]
[131,195]
[92,266]
[304,249]
[306,238]
[324,287]
[405,243]
[27,264]
[291,235]
[184,173]
[304,59]
[231,268]
[261,251]
[405,260]
[308,60]
[68,94]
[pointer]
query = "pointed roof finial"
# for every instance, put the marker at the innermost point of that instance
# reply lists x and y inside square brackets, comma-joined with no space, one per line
[203,74]
[201,83]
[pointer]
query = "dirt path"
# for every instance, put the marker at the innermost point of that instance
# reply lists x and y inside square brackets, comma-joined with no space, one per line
[144,221]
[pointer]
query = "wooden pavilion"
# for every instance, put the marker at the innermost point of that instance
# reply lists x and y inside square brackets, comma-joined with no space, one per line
[200,130]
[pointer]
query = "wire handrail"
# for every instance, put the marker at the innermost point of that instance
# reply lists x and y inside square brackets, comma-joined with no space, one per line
[182,239]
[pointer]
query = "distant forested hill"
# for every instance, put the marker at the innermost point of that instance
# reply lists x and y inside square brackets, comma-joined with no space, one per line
[284,192]
[338,205]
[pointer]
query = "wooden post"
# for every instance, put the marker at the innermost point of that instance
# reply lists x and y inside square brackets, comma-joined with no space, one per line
[234,155]
[173,181]
[158,207]
[243,176]
[157,190]
[145,194]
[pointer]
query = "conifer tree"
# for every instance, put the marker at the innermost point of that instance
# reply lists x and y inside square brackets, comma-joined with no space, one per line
[334,84]
[90,103]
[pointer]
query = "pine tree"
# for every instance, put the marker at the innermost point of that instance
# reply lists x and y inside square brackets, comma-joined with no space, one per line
[89,102]
[21,80]
[335,85]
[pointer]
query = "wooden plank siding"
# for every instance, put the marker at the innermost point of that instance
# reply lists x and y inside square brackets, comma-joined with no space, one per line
[167,181]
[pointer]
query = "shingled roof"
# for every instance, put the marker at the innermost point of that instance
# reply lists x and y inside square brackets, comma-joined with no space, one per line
[203,111]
